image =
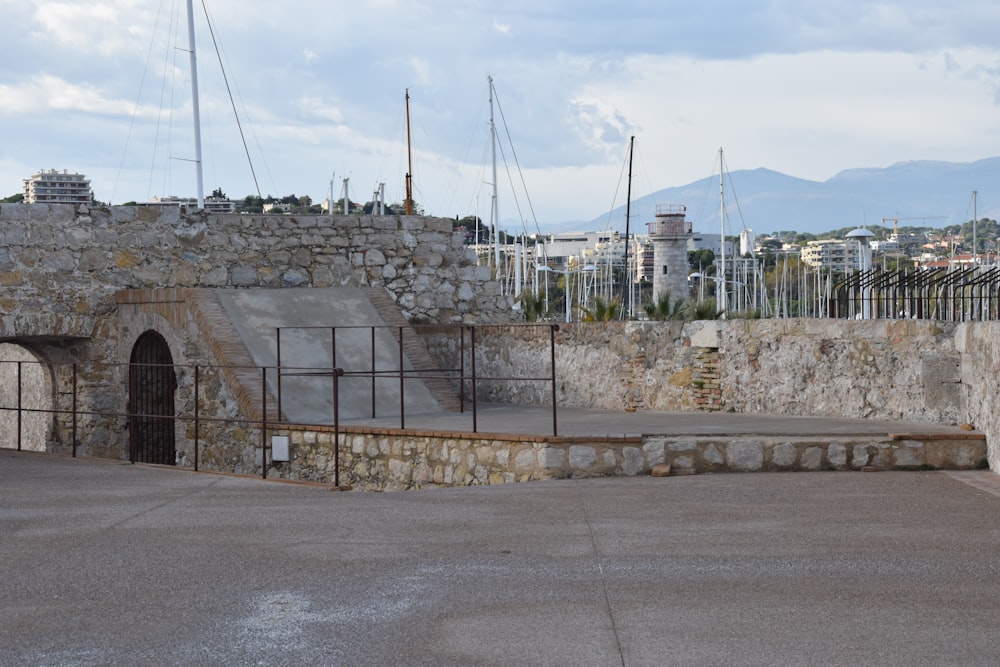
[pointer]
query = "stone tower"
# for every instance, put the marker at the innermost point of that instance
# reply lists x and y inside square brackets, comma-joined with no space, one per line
[669,235]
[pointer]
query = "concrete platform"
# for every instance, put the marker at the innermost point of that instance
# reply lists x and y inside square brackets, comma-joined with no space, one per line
[106,563]
[518,419]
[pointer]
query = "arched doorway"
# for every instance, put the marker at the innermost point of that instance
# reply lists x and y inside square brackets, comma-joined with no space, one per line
[151,385]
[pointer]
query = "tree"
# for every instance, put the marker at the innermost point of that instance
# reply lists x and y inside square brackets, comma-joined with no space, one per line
[219,194]
[469,226]
[533,306]
[665,308]
[13,199]
[602,311]
[705,310]
[701,260]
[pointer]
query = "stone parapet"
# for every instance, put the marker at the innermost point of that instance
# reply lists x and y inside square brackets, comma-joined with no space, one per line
[393,459]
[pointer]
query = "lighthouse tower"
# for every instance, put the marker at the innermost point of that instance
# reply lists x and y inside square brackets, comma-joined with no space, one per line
[669,235]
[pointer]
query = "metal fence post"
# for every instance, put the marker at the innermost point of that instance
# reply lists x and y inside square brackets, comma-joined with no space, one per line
[552,349]
[73,435]
[197,422]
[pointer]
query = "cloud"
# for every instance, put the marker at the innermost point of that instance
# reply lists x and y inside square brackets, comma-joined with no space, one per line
[86,27]
[502,28]
[51,93]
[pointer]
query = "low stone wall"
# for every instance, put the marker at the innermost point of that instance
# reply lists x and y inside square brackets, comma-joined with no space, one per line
[390,459]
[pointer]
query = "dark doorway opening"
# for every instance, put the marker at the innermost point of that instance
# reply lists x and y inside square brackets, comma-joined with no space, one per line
[152,382]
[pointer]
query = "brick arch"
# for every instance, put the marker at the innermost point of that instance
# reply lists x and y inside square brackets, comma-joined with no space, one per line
[152,385]
[25,382]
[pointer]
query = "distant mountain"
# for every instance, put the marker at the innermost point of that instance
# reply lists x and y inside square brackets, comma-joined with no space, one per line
[921,193]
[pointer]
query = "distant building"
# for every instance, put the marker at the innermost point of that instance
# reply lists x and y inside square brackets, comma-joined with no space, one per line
[277,207]
[212,204]
[831,254]
[53,187]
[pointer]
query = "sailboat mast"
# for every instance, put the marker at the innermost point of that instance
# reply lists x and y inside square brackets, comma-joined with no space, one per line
[722,234]
[495,209]
[409,159]
[975,214]
[194,106]
[627,283]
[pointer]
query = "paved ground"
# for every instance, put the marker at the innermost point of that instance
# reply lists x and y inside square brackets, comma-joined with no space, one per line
[106,563]
[497,418]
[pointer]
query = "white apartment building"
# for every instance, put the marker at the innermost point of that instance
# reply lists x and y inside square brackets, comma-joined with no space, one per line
[54,187]
[833,254]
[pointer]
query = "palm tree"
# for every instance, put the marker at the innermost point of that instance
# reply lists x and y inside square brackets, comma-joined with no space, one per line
[533,306]
[665,308]
[705,310]
[602,311]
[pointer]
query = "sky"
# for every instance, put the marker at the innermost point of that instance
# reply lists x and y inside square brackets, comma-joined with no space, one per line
[102,87]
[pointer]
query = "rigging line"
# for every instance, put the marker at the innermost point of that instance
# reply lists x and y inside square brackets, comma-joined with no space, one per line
[225,79]
[138,98]
[645,172]
[465,156]
[517,164]
[173,70]
[618,189]
[396,132]
[710,189]
[517,203]
[732,189]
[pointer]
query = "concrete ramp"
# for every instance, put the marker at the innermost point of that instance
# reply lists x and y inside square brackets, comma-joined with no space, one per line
[307,318]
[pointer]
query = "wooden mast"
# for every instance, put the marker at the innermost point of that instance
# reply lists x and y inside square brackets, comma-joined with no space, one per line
[627,282]
[409,160]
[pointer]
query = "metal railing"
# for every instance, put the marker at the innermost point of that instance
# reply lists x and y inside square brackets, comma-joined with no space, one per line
[464,375]
[66,405]
[953,294]
[77,390]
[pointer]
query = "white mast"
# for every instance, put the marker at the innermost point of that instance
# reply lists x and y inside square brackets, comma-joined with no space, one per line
[495,212]
[194,107]
[333,177]
[722,235]
[346,200]
[975,247]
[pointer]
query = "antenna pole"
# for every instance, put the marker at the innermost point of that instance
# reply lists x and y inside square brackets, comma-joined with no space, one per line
[194,107]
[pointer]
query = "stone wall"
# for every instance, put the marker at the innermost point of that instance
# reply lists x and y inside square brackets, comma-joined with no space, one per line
[60,265]
[877,369]
[390,459]
[979,345]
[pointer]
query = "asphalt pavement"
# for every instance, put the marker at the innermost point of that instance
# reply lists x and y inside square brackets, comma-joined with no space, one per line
[107,563]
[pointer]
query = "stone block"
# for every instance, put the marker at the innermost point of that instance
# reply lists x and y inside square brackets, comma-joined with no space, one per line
[582,457]
[836,453]
[784,455]
[712,455]
[909,454]
[859,456]
[812,458]
[555,458]
[634,461]
[661,470]
[745,455]
[704,334]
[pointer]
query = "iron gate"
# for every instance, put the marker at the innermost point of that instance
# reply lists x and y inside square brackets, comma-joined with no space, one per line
[152,382]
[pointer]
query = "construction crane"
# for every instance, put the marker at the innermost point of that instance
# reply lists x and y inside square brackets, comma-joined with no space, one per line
[896,219]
